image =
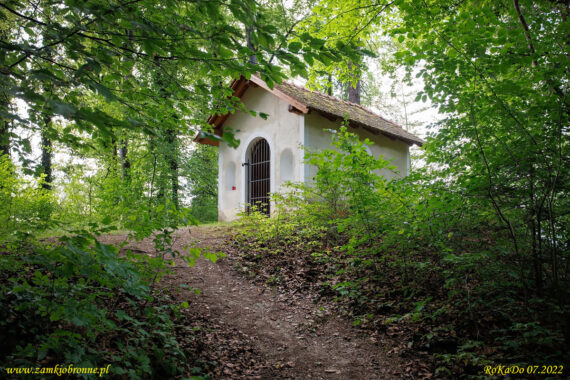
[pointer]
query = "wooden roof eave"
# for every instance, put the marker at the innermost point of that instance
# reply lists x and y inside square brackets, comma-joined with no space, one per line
[280,94]
[375,131]
[240,86]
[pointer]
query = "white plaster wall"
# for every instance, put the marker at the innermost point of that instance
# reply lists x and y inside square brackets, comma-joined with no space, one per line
[282,130]
[318,139]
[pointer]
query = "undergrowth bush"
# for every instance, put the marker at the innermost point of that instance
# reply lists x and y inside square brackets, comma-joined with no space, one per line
[417,253]
[74,300]
[25,208]
[78,301]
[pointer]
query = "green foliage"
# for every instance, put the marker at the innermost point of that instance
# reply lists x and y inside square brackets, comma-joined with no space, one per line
[488,219]
[500,74]
[413,252]
[125,66]
[124,87]
[77,301]
[344,24]
[119,89]
[201,169]
[475,245]
[25,208]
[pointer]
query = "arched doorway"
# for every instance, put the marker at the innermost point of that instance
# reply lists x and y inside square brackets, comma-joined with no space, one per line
[258,175]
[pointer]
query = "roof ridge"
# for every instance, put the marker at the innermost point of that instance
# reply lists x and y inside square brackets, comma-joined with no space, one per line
[303,99]
[344,101]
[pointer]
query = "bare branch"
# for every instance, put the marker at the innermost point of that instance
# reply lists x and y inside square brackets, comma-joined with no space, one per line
[526,31]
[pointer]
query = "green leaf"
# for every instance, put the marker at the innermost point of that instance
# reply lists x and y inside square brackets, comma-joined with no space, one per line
[295,46]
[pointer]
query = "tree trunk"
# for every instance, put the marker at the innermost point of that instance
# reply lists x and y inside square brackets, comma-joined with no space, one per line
[354,88]
[252,57]
[47,154]
[4,137]
[4,128]
[123,143]
[173,163]
[354,93]
[125,163]
[114,147]
[174,174]
[4,97]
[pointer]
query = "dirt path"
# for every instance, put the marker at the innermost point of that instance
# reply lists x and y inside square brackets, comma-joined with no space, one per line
[280,336]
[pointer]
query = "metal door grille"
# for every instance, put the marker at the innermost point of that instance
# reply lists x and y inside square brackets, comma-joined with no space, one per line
[258,177]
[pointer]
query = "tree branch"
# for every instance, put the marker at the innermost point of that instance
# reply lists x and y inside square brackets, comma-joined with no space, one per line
[526,31]
[491,185]
[23,16]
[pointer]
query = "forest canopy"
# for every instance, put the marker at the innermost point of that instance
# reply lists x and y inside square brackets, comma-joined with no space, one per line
[100,102]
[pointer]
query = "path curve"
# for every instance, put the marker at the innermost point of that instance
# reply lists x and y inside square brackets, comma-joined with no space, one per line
[295,338]
[283,328]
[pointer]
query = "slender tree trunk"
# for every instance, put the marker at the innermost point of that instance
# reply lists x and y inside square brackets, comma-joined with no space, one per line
[4,128]
[151,193]
[123,143]
[354,85]
[114,147]
[125,163]
[47,154]
[496,205]
[4,98]
[330,87]
[4,137]
[173,163]
[404,104]
[175,185]
[535,216]
[252,57]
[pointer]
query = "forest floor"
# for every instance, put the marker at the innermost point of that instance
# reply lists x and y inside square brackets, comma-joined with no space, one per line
[251,330]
